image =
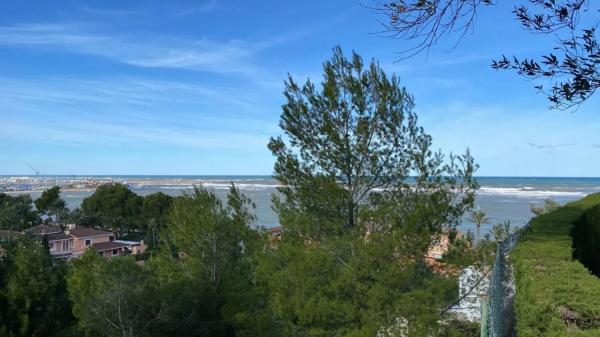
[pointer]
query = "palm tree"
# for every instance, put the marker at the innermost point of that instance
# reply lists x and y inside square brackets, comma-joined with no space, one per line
[502,230]
[508,230]
[499,232]
[479,218]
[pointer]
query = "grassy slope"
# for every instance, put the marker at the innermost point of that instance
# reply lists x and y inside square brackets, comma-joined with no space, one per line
[548,279]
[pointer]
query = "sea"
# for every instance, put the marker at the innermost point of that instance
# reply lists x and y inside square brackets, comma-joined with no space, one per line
[501,198]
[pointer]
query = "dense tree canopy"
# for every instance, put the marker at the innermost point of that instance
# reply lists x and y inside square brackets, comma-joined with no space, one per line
[363,196]
[155,210]
[50,203]
[356,224]
[17,212]
[206,266]
[115,207]
[111,298]
[357,135]
[199,283]
[33,298]
[50,200]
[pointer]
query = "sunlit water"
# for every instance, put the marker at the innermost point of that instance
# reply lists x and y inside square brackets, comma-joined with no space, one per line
[501,198]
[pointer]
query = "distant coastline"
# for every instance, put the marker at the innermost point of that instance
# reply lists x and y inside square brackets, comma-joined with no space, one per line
[503,198]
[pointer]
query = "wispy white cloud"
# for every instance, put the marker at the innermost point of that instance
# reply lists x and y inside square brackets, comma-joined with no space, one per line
[129,112]
[131,135]
[551,146]
[117,91]
[201,8]
[105,12]
[144,50]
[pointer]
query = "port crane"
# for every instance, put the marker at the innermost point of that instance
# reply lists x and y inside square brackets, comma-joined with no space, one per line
[37,172]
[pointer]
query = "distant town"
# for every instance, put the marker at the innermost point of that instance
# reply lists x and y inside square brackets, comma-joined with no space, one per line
[41,183]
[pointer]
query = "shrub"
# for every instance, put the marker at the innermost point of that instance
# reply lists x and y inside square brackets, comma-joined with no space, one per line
[556,295]
[586,239]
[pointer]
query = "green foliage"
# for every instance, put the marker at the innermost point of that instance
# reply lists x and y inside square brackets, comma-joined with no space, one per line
[115,207]
[50,203]
[549,206]
[206,265]
[111,297]
[350,262]
[33,298]
[155,209]
[586,239]
[462,253]
[77,217]
[17,212]
[462,329]
[199,283]
[478,217]
[556,295]
[356,135]
[502,230]
[355,226]
[345,288]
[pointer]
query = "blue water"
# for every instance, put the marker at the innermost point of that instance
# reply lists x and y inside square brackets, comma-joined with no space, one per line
[502,198]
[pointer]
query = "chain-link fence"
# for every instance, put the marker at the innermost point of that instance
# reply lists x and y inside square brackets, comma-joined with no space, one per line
[501,316]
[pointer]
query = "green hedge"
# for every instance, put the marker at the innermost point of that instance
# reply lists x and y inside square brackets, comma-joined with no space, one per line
[586,239]
[556,295]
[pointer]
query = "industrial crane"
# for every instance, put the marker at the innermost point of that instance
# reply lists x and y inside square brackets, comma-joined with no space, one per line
[37,172]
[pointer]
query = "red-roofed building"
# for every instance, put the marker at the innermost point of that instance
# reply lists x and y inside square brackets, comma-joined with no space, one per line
[275,233]
[73,243]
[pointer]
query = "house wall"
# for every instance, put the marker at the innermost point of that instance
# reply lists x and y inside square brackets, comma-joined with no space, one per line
[109,252]
[58,246]
[138,249]
[80,242]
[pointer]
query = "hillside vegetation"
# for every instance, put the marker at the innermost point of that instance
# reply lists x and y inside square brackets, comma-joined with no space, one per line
[556,294]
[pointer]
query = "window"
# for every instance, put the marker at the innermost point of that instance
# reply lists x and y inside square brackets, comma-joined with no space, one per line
[65,245]
[51,245]
[115,252]
[88,242]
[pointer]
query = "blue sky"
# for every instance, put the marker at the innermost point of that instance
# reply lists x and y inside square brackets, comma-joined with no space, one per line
[195,87]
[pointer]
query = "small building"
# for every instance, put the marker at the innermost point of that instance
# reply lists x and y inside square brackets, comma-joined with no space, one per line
[72,243]
[111,248]
[61,245]
[134,247]
[86,237]
[275,233]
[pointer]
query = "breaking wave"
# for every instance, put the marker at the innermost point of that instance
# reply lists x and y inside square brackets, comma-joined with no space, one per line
[529,192]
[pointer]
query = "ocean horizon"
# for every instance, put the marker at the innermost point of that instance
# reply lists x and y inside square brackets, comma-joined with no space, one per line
[502,198]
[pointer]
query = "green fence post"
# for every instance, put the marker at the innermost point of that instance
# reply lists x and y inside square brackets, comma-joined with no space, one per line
[484,314]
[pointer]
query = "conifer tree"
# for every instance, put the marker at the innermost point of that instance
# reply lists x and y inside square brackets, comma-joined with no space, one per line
[362,197]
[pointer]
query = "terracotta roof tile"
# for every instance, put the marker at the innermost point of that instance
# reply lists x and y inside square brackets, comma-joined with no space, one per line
[58,236]
[109,245]
[87,232]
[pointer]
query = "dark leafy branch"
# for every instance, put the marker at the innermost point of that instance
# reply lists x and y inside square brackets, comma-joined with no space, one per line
[572,67]
[426,22]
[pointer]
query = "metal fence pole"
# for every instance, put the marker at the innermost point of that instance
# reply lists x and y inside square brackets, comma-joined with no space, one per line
[484,314]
